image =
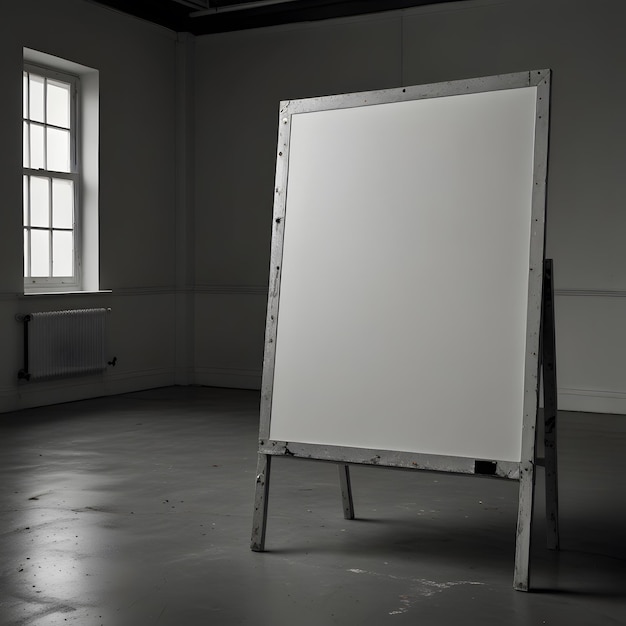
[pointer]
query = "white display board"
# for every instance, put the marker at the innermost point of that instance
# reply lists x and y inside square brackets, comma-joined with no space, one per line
[404,286]
[408,286]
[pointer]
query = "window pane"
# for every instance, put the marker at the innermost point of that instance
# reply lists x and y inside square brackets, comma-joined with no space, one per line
[62,253]
[36,146]
[25,96]
[39,201]
[25,200]
[58,150]
[40,253]
[58,103]
[36,98]
[62,203]
[26,253]
[25,150]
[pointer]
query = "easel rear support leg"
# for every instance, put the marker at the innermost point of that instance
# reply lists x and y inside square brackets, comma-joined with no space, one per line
[550,409]
[346,491]
[551,473]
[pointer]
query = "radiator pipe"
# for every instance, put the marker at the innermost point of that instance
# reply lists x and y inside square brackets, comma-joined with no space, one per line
[24,374]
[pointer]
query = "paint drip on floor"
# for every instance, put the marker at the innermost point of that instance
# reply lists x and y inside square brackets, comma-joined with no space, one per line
[420,588]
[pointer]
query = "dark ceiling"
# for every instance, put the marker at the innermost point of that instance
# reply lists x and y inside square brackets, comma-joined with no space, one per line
[203,17]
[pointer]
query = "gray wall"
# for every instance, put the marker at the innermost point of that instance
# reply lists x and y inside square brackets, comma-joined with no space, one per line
[138,260]
[187,152]
[241,78]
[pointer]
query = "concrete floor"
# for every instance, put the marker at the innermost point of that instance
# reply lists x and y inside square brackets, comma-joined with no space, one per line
[136,510]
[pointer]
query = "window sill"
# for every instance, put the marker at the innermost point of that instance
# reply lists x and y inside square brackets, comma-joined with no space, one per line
[31,294]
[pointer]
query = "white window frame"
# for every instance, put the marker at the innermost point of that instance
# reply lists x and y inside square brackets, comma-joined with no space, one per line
[35,284]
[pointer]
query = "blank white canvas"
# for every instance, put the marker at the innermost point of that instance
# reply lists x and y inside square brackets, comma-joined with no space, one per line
[403,295]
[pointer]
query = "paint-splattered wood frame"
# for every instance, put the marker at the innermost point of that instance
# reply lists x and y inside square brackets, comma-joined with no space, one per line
[540,305]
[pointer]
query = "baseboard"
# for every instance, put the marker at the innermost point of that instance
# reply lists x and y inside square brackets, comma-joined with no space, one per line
[592,401]
[228,377]
[29,395]
[128,381]
[33,394]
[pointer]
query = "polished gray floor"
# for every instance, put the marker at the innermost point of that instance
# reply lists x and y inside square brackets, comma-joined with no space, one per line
[136,510]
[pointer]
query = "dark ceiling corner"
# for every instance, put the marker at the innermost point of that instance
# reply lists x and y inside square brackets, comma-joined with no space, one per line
[163,12]
[203,17]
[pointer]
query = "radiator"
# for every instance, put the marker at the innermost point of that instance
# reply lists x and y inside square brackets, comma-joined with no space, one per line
[58,344]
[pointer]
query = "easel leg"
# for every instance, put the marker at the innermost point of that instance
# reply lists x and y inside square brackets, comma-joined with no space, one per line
[261,497]
[521,580]
[547,361]
[346,491]
[550,409]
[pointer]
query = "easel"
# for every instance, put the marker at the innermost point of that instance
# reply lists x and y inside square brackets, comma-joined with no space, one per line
[511,454]
[525,474]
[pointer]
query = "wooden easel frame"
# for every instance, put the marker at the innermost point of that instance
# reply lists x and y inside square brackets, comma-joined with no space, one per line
[539,340]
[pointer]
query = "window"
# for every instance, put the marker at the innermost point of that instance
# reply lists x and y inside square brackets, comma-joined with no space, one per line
[51,170]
